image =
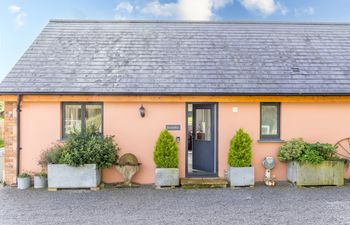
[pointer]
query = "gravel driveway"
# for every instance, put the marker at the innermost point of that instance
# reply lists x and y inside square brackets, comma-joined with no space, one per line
[144,205]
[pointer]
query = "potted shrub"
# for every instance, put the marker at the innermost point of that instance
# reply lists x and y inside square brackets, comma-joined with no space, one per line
[78,162]
[166,159]
[311,164]
[241,172]
[23,181]
[40,180]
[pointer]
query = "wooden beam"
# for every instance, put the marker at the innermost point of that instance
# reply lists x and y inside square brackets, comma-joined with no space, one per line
[103,98]
[8,98]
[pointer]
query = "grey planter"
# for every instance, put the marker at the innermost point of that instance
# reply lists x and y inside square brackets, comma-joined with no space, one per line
[40,182]
[167,177]
[64,176]
[307,174]
[23,182]
[241,176]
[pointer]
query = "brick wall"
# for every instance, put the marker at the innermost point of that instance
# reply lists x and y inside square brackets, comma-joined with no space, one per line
[1,129]
[10,138]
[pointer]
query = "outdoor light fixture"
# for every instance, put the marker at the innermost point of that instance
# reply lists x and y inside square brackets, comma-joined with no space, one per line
[142,111]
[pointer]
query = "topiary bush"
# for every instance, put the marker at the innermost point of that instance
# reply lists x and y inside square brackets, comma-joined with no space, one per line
[291,150]
[165,153]
[240,153]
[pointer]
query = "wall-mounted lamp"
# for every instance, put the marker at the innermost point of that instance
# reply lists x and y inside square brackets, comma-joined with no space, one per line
[142,111]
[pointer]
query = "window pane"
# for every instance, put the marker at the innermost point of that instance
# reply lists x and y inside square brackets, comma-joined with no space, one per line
[72,118]
[189,127]
[269,119]
[203,124]
[93,117]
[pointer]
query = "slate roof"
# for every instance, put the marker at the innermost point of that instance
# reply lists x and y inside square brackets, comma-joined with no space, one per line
[185,58]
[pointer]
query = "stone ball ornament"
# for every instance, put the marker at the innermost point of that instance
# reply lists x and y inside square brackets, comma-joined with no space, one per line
[269,163]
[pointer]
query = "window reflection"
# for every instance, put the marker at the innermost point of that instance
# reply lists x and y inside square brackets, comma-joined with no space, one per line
[269,120]
[79,117]
[72,118]
[93,115]
[203,124]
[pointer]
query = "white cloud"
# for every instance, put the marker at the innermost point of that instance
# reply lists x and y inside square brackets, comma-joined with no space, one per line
[185,9]
[125,6]
[20,15]
[264,7]
[14,9]
[155,8]
[19,20]
[218,4]
[306,11]
[195,10]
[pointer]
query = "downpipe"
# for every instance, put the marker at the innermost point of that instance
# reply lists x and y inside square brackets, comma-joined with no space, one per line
[18,124]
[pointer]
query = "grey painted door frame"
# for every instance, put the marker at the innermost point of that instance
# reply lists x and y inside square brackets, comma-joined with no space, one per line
[214,122]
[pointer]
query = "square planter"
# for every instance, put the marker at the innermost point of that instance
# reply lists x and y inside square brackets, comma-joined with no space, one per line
[40,182]
[325,173]
[64,176]
[23,182]
[166,177]
[241,176]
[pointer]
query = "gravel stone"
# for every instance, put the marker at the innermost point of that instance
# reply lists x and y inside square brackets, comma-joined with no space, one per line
[283,204]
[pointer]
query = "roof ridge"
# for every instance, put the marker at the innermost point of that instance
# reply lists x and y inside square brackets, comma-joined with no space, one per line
[198,21]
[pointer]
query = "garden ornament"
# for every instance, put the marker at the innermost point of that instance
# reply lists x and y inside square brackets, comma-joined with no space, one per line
[269,164]
[128,166]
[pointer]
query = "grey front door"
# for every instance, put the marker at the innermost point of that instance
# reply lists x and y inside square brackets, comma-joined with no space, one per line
[204,133]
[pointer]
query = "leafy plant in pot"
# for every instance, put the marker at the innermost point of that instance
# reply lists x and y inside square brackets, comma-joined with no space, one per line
[240,172]
[166,159]
[311,164]
[40,180]
[78,162]
[23,181]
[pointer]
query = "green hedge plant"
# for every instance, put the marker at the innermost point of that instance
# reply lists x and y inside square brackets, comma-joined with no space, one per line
[89,148]
[299,150]
[83,148]
[165,153]
[292,150]
[240,153]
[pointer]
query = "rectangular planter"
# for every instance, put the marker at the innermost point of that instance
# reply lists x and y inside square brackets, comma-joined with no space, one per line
[241,176]
[307,174]
[64,176]
[166,177]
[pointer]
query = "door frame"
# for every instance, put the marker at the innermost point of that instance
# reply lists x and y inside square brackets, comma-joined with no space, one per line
[215,123]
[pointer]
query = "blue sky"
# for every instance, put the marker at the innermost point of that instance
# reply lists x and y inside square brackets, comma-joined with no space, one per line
[22,20]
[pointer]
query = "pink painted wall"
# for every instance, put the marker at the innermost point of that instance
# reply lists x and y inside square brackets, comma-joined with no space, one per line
[138,135]
[41,126]
[324,122]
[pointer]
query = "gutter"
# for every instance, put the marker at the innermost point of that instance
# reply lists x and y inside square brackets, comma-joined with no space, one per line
[320,94]
[18,148]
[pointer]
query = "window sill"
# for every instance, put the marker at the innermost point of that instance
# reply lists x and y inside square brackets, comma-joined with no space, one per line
[271,141]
